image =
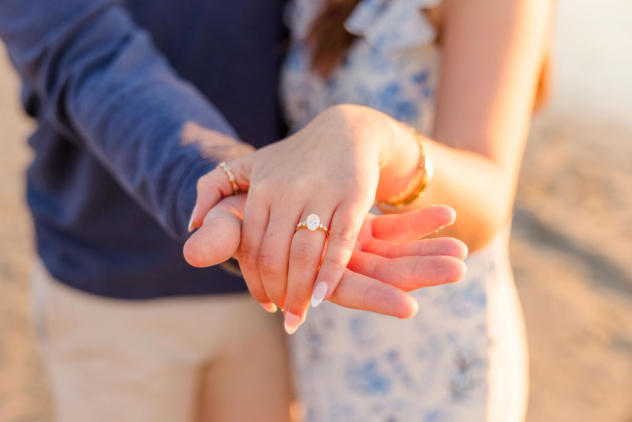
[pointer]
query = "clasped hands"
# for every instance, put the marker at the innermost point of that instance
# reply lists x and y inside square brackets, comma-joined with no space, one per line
[335,167]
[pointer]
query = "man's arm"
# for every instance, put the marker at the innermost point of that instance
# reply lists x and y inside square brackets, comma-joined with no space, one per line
[101,82]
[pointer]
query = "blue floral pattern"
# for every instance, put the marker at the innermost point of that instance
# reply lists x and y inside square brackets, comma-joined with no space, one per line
[395,48]
[438,366]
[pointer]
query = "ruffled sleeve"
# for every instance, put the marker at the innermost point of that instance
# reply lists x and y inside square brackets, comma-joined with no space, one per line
[392,25]
[299,16]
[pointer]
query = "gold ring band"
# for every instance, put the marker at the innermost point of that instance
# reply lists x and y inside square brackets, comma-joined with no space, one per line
[231,176]
[312,224]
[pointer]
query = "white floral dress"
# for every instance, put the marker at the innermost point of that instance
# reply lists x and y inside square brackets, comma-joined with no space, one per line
[462,358]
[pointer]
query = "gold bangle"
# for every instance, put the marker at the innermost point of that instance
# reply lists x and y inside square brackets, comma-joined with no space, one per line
[231,177]
[418,183]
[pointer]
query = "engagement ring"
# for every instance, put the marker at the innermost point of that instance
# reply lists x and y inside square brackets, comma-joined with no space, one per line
[312,224]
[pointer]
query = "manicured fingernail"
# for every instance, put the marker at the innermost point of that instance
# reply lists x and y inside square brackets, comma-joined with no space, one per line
[191,219]
[291,322]
[415,308]
[320,291]
[269,307]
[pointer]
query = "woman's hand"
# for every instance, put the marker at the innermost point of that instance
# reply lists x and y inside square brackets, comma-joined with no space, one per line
[386,261]
[330,168]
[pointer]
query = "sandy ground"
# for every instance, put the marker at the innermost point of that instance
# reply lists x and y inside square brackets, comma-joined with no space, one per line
[571,242]
[24,394]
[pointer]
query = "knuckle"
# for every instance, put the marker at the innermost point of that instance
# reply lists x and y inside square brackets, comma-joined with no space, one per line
[378,270]
[303,185]
[303,253]
[344,234]
[254,190]
[269,265]
[359,196]
[248,258]
[335,264]
[260,189]
[352,188]
[202,183]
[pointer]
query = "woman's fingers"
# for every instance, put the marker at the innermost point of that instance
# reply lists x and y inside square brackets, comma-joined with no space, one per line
[376,283]
[409,272]
[255,222]
[412,225]
[343,233]
[274,254]
[218,238]
[357,291]
[306,253]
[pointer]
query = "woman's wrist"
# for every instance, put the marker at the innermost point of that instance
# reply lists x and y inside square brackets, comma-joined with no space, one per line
[401,160]
[417,184]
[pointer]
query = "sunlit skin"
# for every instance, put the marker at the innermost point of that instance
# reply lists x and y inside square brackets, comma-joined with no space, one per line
[492,54]
[388,259]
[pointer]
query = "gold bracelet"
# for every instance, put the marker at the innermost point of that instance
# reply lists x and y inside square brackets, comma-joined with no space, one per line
[231,177]
[418,183]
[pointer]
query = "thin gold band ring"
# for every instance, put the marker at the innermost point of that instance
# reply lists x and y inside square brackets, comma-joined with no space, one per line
[231,177]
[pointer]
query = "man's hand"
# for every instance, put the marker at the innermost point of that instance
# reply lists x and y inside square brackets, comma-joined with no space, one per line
[387,261]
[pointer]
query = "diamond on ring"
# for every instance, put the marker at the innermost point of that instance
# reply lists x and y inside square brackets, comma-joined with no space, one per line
[231,177]
[312,223]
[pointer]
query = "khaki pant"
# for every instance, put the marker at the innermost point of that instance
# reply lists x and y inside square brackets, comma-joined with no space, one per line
[209,358]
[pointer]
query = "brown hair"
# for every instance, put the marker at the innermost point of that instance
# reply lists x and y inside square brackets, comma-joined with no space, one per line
[331,41]
[328,36]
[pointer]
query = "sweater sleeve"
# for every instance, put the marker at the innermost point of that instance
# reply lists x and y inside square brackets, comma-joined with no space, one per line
[100,82]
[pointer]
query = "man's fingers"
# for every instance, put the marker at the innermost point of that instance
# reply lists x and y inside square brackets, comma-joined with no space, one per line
[211,188]
[425,247]
[356,291]
[412,225]
[215,185]
[409,273]
[218,238]
[446,246]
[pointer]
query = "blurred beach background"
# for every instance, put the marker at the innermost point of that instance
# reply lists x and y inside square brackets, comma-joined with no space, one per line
[571,246]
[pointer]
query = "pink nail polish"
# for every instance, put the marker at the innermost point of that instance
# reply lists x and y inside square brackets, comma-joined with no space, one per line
[291,322]
[269,307]
[320,291]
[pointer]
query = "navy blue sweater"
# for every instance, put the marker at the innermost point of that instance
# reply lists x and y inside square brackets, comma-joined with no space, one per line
[111,84]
